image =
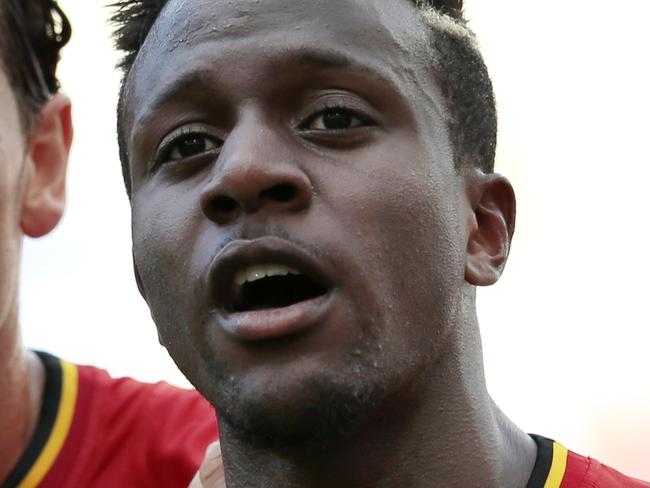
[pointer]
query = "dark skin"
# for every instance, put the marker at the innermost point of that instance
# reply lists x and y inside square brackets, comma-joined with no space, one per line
[312,135]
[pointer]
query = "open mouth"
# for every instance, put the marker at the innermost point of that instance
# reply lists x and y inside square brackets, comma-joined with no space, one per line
[270,286]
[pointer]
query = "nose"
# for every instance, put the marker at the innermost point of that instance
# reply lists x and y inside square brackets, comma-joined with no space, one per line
[251,176]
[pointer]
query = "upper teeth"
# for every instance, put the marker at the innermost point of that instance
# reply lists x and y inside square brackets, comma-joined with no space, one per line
[254,273]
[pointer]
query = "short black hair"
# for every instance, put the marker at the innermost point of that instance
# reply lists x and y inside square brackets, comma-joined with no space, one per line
[460,72]
[32,33]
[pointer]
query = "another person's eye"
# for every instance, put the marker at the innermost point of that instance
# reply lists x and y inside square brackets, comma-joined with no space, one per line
[188,146]
[334,119]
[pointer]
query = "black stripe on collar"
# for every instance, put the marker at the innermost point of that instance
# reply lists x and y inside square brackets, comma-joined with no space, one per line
[543,462]
[46,418]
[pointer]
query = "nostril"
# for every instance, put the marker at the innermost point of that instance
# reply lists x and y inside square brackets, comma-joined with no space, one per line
[223,205]
[282,193]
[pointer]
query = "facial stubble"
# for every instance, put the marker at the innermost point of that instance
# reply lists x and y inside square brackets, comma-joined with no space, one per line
[328,406]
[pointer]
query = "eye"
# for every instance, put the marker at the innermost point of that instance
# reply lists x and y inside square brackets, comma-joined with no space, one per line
[188,146]
[335,118]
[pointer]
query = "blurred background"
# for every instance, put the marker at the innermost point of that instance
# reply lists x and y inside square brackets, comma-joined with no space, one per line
[567,329]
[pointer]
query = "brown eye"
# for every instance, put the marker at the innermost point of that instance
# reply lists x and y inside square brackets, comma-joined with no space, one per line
[190,146]
[334,119]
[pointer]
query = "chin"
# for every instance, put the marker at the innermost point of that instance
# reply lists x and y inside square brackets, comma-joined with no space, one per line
[300,407]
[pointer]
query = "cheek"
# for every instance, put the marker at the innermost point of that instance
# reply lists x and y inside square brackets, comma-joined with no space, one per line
[173,247]
[403,216]
[165,230]
[10,233]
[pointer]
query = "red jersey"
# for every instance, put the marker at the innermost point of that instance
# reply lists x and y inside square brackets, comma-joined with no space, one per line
[96,431]
[557,467]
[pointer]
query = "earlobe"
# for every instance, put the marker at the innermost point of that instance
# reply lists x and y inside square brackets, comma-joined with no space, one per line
[46,165]
[491,225]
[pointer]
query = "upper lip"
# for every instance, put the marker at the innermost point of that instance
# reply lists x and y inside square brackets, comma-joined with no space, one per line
[240,254]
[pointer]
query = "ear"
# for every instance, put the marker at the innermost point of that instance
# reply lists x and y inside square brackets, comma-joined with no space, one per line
[45,167]
[491,225]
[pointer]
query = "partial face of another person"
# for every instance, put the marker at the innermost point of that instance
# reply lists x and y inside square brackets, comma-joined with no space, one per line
[300,229]
[33,163]
[12,185]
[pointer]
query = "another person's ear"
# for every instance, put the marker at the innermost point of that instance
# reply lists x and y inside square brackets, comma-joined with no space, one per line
[491,225]
[48,148]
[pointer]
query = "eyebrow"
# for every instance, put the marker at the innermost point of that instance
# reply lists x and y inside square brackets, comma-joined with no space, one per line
[308,58]
[318,58]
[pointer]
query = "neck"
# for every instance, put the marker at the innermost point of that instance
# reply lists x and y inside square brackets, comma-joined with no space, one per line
[21,389]
[445,431]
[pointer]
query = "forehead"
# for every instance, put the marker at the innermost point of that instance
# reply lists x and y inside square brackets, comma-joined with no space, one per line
[386,36]
[388,22]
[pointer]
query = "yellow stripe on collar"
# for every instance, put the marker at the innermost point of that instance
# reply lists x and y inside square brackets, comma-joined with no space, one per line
[65,413]
[558,466]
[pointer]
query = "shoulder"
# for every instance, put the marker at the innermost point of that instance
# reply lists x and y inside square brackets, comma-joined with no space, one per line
[586,472]
[163,425]
[104,432]
[150,403]
[557,467]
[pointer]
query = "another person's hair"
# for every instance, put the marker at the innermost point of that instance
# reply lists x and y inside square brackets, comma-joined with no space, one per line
[460,72]
[32,33]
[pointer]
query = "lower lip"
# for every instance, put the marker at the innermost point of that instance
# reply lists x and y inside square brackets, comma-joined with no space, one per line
[259,325]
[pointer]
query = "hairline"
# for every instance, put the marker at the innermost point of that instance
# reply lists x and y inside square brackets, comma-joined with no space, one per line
[31,69]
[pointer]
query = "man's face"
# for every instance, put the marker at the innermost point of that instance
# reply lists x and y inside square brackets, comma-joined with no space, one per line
[12,154]
[303,141]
